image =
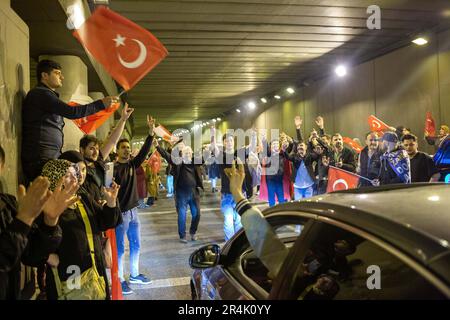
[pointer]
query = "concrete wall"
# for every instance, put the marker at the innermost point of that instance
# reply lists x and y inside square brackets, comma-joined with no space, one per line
[14,82]
[398,88]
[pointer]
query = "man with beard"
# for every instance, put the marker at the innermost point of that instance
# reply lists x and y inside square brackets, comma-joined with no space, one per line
[422,165]
[187,182]
[340,156]
[369,160]
[395,164]
[94,156]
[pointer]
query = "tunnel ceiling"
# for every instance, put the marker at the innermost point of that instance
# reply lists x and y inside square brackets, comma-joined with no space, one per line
[224,52]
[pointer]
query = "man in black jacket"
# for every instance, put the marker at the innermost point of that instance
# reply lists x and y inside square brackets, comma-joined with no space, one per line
[187,180]
[369,161]
[95,156]
[340,156]
[23,238]
[224,158]
[42,119]
[125,177]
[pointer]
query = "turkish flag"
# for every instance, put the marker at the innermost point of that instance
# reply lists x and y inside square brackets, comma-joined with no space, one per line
[430,126]
[116,287]
[154,162]
[127,51]
[376,125]
[352,143]
[339,179]
[91,123]
[162,132]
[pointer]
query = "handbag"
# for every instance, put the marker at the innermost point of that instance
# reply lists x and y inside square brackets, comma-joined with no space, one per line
[92,285]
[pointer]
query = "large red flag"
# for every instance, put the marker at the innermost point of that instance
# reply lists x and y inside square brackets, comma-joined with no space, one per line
[154,162]
[339,179]
[127,51]
[352,143]
[376,125]
[430,126]
[90,123]
[116,288]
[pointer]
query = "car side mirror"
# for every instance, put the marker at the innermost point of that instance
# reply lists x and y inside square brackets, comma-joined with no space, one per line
[205,257]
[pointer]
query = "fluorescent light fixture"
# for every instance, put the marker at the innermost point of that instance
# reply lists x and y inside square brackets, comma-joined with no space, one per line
[341,71]
[207,122]
[218,119]
[238,111]
[251,105]
[290,90]
[214,120]
[420,41]
[263,100]
[277,97]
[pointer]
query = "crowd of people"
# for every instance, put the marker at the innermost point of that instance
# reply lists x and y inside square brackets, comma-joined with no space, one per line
[61,223]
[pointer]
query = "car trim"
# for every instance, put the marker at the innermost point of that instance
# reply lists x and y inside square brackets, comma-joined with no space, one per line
[433,279]
[237,285]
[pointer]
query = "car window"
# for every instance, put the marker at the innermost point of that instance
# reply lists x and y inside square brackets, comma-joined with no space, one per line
[341,265]
[252,267]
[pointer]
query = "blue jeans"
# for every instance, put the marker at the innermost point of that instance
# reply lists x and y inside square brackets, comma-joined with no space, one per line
[132,228]
[232,220]
[300,193]
[182,201]
[169,184]
[275,187]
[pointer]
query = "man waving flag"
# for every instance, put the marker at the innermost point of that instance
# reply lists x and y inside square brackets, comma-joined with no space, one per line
[127,51]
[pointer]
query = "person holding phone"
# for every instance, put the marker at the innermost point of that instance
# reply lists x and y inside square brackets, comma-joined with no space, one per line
[98,172]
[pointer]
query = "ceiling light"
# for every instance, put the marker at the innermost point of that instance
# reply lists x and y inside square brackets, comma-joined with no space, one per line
[263,100]
[251,105]
[420,41]
[238,111]
[218,119]
[341,71]
[277,97]
[290,90]
[214,120]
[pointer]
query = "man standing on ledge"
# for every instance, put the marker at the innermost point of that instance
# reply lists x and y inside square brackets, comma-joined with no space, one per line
[42,118]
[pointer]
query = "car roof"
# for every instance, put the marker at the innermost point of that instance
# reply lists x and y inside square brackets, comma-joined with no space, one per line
[414,217]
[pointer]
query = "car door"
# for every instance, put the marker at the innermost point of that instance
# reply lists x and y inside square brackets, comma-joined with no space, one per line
[242,275]
[340,262]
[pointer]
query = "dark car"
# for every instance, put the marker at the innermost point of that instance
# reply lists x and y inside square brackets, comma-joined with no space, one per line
[378,243]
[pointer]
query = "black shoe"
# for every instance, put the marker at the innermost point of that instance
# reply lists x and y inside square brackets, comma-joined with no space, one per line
[126,288]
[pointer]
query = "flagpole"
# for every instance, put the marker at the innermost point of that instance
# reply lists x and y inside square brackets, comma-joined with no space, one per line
[371,181]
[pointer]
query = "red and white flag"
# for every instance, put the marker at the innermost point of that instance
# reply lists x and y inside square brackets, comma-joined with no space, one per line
[376,125]
[126,50]
[430,126]
[162,132]
[339,179]
[91,123]
[353,144]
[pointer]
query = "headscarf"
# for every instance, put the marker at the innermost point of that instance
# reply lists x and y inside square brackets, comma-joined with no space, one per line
[54,170]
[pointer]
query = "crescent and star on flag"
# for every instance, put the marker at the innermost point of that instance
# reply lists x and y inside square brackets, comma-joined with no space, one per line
[120,41]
